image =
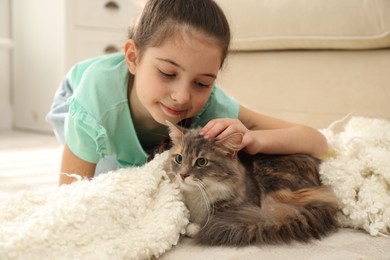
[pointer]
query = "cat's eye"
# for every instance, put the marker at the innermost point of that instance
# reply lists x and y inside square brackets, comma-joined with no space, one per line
[201,162]
[178,158]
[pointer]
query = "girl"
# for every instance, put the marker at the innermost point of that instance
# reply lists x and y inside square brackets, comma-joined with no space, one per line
[111,111]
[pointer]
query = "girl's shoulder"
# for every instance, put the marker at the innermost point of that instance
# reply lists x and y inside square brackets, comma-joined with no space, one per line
[99,85]
[93,67]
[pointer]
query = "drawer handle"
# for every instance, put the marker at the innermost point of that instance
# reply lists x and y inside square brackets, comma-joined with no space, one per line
[112,5]
[111,49]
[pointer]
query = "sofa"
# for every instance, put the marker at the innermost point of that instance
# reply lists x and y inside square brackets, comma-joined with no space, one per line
[310,62]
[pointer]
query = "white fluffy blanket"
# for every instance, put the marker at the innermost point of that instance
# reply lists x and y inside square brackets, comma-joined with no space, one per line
[358,168]
[137,213]
[127,214]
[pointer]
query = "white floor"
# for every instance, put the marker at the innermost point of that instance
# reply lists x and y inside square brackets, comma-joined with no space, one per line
[27,161]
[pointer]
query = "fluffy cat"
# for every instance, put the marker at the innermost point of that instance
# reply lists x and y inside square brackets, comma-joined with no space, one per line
[238,199]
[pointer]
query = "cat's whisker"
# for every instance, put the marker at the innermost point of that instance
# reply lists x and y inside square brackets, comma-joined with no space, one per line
[204,193]
[206,201]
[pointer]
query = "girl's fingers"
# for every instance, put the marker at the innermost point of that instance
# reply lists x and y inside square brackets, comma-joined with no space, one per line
[223,127]
[220,128]
[213,130]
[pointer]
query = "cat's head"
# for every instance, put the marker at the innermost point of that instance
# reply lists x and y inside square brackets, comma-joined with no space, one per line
[197,162]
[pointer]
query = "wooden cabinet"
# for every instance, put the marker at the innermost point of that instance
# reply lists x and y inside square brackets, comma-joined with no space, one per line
[49,37]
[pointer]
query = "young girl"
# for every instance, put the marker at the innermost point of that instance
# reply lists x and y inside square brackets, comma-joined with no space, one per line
[111,111]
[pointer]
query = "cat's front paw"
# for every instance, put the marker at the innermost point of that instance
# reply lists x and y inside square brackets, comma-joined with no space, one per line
[192,229]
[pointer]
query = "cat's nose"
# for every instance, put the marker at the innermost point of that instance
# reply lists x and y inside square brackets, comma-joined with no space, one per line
[184,175]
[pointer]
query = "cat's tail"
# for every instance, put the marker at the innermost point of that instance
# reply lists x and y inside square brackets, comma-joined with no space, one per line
[284,216]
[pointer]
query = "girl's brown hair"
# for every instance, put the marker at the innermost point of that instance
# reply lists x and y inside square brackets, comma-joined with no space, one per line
[161,19]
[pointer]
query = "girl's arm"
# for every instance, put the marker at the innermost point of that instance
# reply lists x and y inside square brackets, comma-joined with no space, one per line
[264,134]
[71,164]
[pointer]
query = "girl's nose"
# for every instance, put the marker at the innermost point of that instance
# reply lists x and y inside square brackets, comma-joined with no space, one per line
[181,95]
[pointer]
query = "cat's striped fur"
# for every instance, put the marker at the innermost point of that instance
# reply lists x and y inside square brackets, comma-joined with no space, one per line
[239,199]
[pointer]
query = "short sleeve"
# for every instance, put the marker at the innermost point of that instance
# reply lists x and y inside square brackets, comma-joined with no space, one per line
[219,105]
[85,137]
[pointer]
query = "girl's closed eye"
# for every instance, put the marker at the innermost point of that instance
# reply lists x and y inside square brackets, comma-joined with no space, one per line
[167,75]
[204,81]
[202,84]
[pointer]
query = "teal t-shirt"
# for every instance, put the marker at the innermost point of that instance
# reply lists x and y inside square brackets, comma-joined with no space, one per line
[99,123]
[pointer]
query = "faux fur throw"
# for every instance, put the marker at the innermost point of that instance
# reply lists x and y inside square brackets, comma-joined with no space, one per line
[358,168]
[133,213]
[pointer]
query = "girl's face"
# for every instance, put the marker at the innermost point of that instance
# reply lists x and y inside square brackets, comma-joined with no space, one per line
[174,80]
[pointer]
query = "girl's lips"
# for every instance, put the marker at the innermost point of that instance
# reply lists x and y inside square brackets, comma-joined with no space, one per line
[171,111]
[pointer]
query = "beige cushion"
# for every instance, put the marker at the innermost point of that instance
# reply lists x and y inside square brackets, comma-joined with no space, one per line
[308,24]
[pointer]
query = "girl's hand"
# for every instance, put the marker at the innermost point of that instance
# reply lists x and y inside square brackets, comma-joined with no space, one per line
[222,127]
[265,134]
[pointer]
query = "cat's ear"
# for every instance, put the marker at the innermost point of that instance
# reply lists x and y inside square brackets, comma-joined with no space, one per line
[175,132]
[232,143]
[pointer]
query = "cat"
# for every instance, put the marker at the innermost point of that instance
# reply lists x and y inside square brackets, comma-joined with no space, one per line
[237,199]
